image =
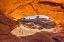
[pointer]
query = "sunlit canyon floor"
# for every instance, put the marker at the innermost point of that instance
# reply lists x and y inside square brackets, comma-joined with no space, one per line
[25,31]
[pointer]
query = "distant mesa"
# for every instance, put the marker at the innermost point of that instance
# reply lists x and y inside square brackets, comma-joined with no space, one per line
[34,20]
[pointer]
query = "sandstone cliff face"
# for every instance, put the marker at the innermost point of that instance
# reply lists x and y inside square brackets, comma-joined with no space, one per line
[7,24]
[21,8]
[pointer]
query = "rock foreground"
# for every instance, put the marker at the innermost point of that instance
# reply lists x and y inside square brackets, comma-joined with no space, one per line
[38,37]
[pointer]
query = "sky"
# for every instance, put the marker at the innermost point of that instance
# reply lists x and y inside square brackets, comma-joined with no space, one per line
[33,17]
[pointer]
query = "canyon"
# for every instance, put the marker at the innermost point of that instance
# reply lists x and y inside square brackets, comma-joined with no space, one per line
[12,10]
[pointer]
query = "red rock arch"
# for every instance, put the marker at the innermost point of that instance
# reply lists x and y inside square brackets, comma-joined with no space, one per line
[21,8]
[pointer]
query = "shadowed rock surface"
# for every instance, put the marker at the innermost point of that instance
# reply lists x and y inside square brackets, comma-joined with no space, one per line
[38,37]
[7,24]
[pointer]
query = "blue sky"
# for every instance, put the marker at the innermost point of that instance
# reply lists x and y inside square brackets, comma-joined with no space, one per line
[32,17]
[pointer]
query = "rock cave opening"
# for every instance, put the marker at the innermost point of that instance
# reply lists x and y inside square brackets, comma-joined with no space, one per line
[37,22]
[32,24]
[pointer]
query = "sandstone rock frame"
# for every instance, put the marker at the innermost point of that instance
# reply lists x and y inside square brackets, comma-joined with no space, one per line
[21,8]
